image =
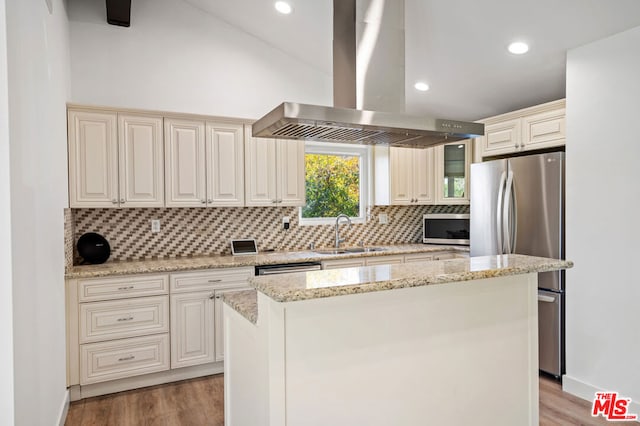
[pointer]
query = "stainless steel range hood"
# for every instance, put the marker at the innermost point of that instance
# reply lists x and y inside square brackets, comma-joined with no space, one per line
[358,126]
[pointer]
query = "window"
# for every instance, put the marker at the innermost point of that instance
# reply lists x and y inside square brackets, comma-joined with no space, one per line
[335,182]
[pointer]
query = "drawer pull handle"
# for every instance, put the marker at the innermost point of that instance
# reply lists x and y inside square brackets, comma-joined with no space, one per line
[215,281]
[129,287]
[126,358]
[211,296]
[129,318]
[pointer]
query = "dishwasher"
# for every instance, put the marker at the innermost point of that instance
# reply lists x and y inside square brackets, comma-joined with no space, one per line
[288,268]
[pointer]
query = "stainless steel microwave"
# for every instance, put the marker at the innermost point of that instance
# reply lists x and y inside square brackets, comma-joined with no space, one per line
[446,229]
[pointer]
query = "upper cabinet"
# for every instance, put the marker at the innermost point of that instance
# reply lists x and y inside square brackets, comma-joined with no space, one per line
[115,160]
[411,176]
[274,171]
[203,163]
[537,127]
[452,172]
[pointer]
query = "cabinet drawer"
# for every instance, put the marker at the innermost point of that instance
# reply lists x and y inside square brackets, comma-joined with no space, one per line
[346,263]
[384,260]
[118,319]
[418,257]
[95,289]
[100,362]
[205,280]
[443,256]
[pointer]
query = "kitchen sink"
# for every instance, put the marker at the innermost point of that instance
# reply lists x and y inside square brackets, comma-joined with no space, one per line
[350,250]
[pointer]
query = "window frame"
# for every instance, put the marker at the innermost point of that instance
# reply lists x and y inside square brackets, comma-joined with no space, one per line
[361,151]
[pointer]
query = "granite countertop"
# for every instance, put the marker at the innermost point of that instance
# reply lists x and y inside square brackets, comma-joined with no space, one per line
[228,261]
[337,282]
[244,302]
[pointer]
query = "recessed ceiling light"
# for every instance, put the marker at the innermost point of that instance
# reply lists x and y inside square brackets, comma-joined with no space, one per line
[421,86]
[283,7]
[518,48]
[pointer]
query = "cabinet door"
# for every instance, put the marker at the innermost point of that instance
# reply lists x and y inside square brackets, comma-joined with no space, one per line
[185,163]
[401,175]
[260,170]
[423,174]
[225,164]
[192,329]
[452,173]
[93,159]
[141,165]
[502,138]
[290,173]
[219,322]
[544,130]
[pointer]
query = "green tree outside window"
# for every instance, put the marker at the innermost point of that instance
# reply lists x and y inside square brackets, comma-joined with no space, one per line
[332,185]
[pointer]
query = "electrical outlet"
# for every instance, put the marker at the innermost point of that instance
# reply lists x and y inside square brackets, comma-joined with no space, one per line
[285,222]
[155,225]
[383,218]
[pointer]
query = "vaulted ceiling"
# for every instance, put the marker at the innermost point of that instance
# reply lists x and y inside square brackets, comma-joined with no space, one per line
[457,46]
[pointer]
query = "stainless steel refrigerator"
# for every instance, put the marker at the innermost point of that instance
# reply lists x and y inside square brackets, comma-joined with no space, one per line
[517,206]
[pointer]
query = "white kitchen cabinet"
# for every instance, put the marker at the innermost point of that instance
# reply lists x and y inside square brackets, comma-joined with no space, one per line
[195,302]
[538,127]
[115,160]
[93,159]
[225,164]
[452,164]
[141,161]
[274,171]
[185,163]
[192,328]
[411,176]
[204,163]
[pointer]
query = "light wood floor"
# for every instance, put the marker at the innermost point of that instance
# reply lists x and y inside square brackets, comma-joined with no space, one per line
[199,402]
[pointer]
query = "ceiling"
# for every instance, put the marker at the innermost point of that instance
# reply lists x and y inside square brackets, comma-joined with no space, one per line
[457,46]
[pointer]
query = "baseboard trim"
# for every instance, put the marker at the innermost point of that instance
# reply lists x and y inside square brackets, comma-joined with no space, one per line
[97,389]
[64,409]
[587,391]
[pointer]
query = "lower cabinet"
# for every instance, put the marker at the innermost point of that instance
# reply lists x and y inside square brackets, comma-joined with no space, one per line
[129,326]
[192,329]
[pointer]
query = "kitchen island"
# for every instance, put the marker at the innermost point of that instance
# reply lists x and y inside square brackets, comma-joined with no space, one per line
[434,343]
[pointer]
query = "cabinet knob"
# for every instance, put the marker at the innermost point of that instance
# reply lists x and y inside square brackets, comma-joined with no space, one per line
[211,295]
[203,201]
[274,201]
[121,200]
[114,201]
[209,201]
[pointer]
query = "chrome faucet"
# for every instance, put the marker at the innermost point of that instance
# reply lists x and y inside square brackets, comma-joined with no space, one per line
[338,239]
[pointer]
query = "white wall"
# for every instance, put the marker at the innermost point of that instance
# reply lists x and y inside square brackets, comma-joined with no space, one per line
[175,57]
[6,309]
[602,204]
[38,62]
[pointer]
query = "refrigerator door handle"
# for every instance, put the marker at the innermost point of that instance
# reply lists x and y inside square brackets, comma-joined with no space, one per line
[505,213]
[501,188]
[547,299]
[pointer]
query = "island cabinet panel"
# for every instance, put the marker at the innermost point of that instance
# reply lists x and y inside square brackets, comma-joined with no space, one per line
[388,357]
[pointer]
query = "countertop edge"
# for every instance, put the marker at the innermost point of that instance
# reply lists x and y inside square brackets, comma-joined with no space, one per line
[406,282]
[218,262]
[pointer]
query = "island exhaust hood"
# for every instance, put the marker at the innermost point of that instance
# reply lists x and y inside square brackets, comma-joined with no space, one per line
[345,124]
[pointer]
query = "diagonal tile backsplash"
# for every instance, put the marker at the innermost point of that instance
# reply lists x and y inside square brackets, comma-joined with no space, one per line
[207,231]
